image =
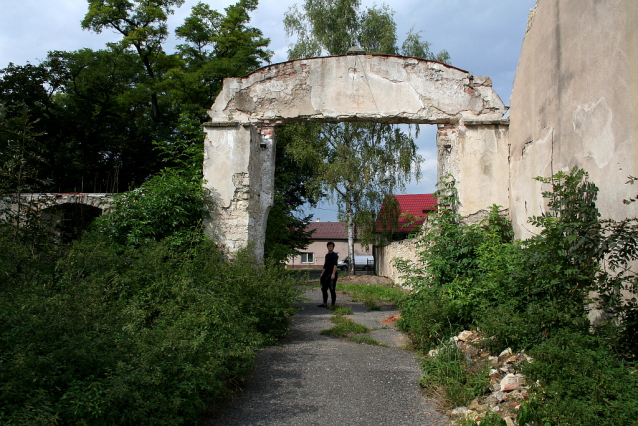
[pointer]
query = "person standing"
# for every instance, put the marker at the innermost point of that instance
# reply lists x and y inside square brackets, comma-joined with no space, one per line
[329,276]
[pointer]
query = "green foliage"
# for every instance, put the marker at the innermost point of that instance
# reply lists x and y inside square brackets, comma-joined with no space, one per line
[169,205]
[371,294]
[216,46]
[365,340]
[413,45]
[101,110]
[186,151]
[448,376]
[342,310]
[286,228]
[581,383]
[146,335]
[344,327]
[333,26]
[534,295]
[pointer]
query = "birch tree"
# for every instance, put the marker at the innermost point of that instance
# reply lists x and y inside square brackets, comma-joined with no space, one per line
[358,164]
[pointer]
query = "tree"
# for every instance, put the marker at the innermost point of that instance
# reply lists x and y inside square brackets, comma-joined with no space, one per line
[216,46]
[142,24]
[20,157]
[359,164]
[286,228]
[100,110]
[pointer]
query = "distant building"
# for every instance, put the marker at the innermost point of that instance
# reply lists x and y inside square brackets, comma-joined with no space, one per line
[313,256]
[412,211]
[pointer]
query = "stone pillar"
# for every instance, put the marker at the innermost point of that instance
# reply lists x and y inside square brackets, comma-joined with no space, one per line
[239,167]
[476,154]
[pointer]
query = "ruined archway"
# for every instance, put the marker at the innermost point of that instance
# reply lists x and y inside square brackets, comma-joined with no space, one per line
[240,139]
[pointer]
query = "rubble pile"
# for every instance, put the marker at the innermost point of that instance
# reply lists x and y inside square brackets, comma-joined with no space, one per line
[508,385]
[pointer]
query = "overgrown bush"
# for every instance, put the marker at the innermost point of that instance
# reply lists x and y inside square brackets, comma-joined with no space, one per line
[582,382]
[169,206]
[535,295]
[145,335]
[143,321]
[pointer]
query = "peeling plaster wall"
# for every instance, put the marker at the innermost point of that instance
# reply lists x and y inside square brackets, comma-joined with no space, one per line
[478,158]
[239,169]
[239,146]
[381,88]
[575,103]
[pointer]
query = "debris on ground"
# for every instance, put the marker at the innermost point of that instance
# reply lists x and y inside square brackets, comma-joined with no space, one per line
[390,319]
[509,388]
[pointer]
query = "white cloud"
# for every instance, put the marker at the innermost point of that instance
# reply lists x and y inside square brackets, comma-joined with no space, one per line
[482,37]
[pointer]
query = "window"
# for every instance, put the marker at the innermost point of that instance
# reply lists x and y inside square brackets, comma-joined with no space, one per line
[307,258]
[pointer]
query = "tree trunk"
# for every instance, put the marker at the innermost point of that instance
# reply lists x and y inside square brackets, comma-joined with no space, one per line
[350,215]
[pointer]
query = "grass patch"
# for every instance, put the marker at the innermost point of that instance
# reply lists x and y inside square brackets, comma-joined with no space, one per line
[341,310]
[369,295]
[344,326]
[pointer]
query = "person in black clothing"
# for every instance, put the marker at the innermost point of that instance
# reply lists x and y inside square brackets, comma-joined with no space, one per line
[329,276]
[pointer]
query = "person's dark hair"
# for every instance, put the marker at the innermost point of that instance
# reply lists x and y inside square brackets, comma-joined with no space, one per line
[330,243]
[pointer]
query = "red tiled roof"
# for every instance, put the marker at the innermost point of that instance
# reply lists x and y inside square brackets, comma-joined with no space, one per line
[328,230]
[413,208]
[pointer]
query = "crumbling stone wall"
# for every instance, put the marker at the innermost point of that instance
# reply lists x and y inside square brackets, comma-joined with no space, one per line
[240,140]
[386,256]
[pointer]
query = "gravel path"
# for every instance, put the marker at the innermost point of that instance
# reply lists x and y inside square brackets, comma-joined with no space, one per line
[319,380]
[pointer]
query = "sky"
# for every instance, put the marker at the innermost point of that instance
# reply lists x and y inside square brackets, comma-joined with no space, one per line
[482,37]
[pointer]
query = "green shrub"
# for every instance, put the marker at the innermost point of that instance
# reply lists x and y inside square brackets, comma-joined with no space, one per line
[428,318]
[534,295]
[582,382]
[170,206]
[145,335]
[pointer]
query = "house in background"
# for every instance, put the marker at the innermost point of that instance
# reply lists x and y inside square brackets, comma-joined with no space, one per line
[313,256]
[412,211]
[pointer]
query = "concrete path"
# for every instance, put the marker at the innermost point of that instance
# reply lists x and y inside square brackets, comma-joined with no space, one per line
[319,380]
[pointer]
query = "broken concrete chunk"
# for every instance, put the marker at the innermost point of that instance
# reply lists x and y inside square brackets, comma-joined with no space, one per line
[512,382]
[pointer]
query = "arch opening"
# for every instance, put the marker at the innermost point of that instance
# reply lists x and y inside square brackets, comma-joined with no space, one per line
[240,138]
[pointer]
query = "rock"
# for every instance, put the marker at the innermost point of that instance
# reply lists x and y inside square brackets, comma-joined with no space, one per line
[512,382]
[474,404]
[496,409]
[509,421]
[433,352]
[464,336]
[499,395]
[482,408]
[507,352]
[460,411]
[491,401]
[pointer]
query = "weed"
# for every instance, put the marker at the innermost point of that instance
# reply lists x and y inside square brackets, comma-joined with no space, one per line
[447,376]
[532,295]
[370,294]
[344,326]
[341,310]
